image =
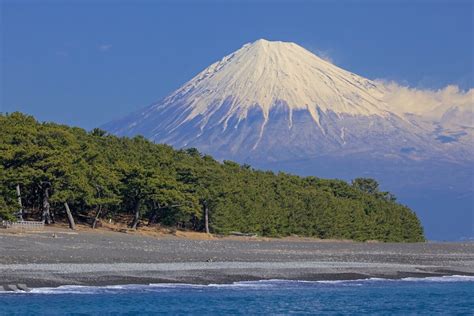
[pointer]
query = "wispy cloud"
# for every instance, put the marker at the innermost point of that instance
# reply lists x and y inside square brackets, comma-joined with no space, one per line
[104,47]
[324,54]
[429,103]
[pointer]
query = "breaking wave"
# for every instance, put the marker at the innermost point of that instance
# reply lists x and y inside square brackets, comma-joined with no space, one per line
[261,284]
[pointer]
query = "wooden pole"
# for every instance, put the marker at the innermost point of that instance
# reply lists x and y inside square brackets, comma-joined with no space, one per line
[206,218]
[70,219]
[18,193]
[46,207]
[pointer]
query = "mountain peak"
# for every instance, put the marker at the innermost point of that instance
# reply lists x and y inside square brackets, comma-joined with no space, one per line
[261,41]
[266,43]
[266,74]
[269,48]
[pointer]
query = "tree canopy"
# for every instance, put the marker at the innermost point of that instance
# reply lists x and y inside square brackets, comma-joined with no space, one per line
[154,183]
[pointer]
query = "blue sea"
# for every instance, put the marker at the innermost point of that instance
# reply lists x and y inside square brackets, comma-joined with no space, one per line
[453,295]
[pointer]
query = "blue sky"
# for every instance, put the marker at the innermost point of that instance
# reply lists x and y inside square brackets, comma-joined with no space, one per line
[86,62]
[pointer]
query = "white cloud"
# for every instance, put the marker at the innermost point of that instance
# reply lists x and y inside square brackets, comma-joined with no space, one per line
[325,55]
[428,103]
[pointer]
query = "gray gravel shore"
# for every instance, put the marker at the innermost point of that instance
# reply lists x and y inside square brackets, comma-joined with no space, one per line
[105,258]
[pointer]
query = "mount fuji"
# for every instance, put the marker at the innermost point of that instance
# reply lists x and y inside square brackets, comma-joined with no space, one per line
[278,106]
[276,101]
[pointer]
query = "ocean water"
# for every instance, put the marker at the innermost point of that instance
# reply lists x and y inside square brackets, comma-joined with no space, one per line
[452,295]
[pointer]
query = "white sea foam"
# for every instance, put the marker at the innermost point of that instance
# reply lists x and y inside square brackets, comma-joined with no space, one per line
[447,278]
[84,289]
[368,280]
[272,283]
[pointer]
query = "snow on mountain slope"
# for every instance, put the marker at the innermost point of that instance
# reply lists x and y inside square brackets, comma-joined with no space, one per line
[264,73]
[277,101]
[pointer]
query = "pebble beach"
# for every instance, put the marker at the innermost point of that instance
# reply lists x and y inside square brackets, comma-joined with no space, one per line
[62,257]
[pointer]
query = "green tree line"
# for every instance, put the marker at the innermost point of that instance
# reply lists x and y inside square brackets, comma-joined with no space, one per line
[104,176]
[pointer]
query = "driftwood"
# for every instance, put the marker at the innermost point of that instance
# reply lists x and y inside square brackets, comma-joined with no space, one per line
[243,234]
[70,219]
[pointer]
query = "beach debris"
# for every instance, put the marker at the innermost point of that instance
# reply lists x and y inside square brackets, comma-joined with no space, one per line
[12,287]
[210,260]
[23,287]
[15,288]
[243,234]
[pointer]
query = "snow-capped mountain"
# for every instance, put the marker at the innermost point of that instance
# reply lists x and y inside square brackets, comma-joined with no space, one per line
[278,106]
[276,101]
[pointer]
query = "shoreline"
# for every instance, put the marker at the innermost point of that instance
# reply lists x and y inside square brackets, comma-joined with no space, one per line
[54,275]
[322,279]
[335,280]
[99,258]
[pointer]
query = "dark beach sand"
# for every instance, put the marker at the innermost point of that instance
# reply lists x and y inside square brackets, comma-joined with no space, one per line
[105,258]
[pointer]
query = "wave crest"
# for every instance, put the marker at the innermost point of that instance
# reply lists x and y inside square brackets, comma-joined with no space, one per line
[261,284]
